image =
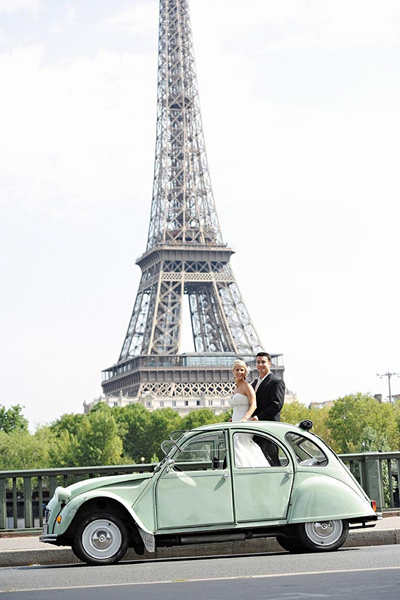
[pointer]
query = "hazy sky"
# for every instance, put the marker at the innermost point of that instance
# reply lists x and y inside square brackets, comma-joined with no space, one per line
[301,112]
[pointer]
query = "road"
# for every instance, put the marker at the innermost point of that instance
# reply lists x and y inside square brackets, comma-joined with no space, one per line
[351,573]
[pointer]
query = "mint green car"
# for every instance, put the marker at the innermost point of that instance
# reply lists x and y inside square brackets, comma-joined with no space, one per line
[197,494]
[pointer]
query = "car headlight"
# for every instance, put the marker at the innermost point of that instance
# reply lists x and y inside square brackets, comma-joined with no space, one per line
[62,494]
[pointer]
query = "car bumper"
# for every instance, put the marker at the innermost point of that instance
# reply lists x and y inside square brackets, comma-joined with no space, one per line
[50,538]
[364,522]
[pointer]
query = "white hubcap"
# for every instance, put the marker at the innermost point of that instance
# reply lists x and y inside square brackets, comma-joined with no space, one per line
[324,533]
[101,539]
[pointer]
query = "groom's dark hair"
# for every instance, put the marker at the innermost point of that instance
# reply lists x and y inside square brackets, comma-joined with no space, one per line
[264,354]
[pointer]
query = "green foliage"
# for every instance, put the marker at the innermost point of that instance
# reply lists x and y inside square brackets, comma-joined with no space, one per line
[372,441]
[87,440]
[67,422]
[163,421]
[197,418]
[375,442]
[63,450]
[294,413]
[133,424]
[12,419]
[98,440]
[227,416]
[20,450]
[319,417]
[352,416]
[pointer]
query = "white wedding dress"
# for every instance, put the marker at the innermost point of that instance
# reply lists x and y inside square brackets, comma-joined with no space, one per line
[247,452]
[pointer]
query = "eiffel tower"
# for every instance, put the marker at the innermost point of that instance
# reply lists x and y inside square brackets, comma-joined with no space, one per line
[186,258]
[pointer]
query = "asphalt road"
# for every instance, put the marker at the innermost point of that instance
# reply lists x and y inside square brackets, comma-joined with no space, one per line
[351,573]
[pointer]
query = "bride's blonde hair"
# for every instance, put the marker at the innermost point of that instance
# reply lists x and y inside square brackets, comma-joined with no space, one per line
[241,363]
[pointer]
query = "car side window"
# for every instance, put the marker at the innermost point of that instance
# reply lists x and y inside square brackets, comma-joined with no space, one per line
[307,452]
[206,451]
[257,451]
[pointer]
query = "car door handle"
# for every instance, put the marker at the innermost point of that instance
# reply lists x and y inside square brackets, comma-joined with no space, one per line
[289,472]
[225,475]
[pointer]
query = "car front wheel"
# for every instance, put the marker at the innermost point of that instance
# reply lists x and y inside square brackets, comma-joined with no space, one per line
[291,544]
[323,536]
[100,539]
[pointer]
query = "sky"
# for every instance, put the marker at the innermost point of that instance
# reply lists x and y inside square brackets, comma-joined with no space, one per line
[301,113]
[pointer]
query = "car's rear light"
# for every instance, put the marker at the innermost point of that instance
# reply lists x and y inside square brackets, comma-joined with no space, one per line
[373,504]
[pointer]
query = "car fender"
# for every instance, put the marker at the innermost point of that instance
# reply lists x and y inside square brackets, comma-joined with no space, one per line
[70,509]
[322,497]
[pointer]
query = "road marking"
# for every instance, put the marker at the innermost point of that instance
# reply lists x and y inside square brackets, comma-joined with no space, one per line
[169,581]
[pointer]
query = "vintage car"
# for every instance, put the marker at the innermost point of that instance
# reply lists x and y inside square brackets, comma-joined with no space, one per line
[197,494]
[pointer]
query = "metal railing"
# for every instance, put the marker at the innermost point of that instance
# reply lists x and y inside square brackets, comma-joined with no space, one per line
[24,494]
[378,474]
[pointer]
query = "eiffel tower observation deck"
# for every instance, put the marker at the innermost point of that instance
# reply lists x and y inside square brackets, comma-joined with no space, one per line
[186,259]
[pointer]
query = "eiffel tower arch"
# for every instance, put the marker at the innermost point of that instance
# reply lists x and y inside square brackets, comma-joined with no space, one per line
[186,259]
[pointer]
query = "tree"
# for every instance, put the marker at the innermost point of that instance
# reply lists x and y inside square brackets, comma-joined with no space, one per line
[64,449]
[350,417]
[91,440]
[20,450]
[197,418]
[396,412]
[162,422]
[385,426]
[294,412]
[68,422]
[97,441]
[133,423]
[12,419]
[319,417]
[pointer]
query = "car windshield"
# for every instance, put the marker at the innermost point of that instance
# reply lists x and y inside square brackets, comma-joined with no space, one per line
[307,452]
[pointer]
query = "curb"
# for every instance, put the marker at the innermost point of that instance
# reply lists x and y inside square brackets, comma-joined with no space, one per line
[64,556]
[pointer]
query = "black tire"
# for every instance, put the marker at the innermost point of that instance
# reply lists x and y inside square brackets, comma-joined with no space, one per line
[100,539]
[291,544]
[322,536]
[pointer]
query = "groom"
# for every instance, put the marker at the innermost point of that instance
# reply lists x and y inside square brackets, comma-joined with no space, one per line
[270,395]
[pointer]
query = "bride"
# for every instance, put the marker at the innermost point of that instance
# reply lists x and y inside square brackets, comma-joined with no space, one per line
[243,402]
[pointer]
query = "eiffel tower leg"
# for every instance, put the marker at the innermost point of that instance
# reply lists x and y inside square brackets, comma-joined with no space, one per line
[165,336]
[210,330]
[242,329]
[133,342]
[155,325]
[220,321]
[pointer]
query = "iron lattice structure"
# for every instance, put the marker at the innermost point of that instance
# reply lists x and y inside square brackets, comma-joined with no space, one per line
[185,254]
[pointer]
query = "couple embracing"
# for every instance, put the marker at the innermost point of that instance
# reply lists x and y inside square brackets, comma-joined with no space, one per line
[261,401]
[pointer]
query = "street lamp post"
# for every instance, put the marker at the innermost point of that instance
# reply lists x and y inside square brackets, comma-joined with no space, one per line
[389,375]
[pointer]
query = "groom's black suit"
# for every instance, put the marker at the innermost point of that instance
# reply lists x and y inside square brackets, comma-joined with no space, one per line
[270,397]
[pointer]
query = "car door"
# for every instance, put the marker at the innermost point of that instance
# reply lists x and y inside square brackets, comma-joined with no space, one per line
[196,490]
[261,493]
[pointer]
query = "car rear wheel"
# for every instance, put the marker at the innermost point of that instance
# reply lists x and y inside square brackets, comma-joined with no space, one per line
[100,539]
[323,536]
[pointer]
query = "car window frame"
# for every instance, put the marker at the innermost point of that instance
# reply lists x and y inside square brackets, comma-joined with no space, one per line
[306,462]
[259,433]
[179,465]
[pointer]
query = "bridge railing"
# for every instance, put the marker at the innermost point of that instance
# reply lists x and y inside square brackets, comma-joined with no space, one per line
[378,474]
[24,494]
